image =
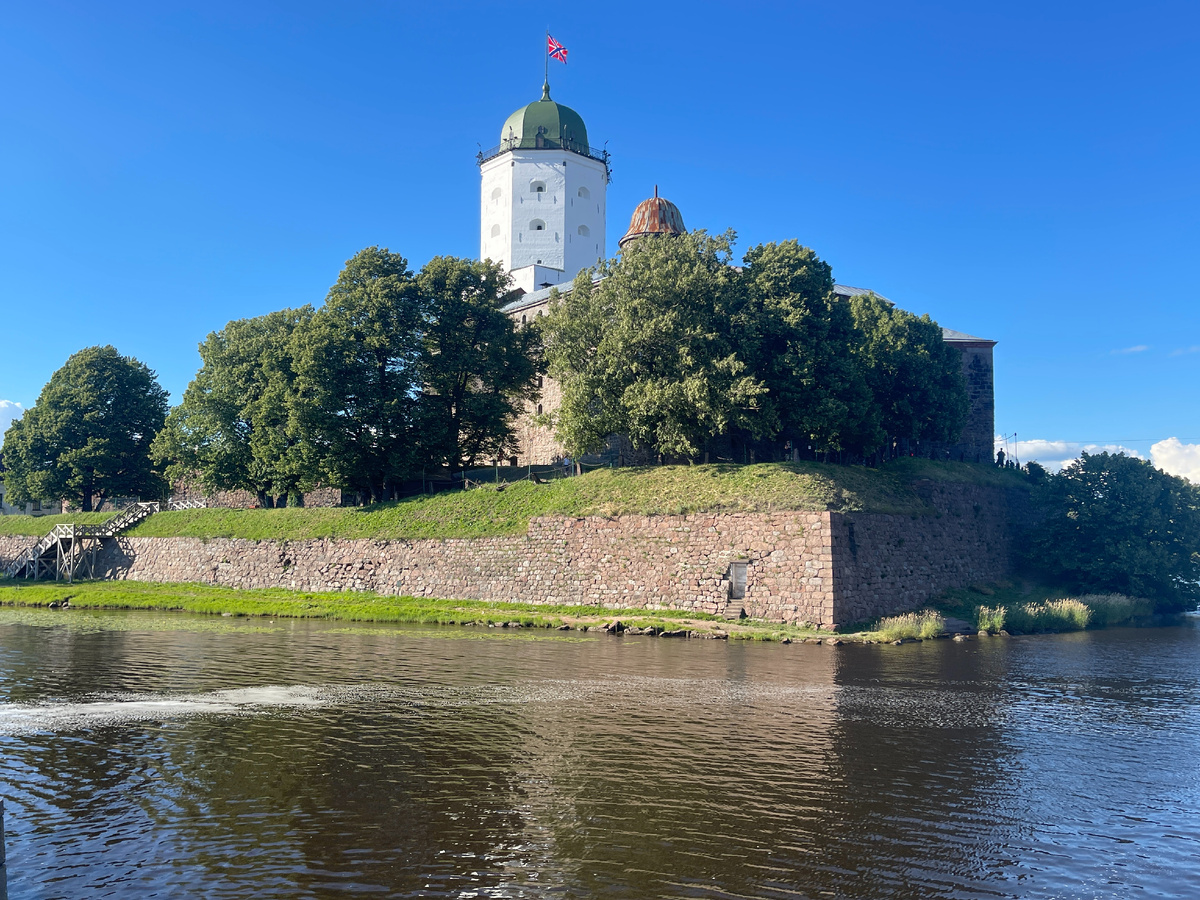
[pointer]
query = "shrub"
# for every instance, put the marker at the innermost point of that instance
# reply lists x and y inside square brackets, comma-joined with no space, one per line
[1109,610]
[1051,615]
[911,626]
[990,618]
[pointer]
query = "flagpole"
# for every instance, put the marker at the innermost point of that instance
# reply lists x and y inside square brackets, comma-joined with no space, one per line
[546,50]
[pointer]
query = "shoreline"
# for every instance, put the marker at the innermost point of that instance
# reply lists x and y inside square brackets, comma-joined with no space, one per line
[203,599]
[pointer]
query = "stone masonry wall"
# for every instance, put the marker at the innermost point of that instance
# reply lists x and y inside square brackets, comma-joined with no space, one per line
[819,568]
[886,564]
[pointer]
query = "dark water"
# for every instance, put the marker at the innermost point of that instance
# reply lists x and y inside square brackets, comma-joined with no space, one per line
[173,756]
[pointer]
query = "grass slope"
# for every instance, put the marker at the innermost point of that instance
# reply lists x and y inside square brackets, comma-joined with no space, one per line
[667,490]
[39,525]
[485,511]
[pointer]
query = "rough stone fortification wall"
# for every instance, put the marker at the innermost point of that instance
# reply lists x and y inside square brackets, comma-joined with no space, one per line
[978,437]
[663,562]
[884,564]
[820,568]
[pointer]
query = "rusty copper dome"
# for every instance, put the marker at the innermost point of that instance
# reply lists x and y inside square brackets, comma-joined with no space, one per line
[654,216]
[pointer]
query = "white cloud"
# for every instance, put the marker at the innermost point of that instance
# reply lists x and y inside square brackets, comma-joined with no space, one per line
[1185,350]
[1177,458]
[8,412]
[1056,454]
[1139,348]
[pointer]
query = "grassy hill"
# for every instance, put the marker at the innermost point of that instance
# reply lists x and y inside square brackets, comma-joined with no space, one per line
[486,511]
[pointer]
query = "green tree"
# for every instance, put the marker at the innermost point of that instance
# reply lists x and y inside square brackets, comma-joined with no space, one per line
[476,368]
[232,428]
[358,376]
[798,338]
[1115,523]
[646,352]
[915,377]
[88,437]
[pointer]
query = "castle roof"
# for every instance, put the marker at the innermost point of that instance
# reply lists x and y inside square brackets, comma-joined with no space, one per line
[656,215]
[545,125]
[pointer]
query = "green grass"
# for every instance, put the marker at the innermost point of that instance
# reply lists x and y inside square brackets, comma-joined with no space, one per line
[485,511]
[918,626]
[1034,608]
[347,606]
[39,525]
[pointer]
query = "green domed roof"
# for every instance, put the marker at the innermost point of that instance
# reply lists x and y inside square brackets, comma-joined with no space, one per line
[545,124]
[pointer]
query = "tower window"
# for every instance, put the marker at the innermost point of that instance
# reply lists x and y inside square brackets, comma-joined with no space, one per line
[537,225]
[539,409]
[496,194]
[537,187]
[584,193]
[496,231]
[584,230]
[539,381]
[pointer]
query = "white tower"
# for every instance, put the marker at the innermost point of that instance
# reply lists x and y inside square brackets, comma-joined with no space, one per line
[542,196]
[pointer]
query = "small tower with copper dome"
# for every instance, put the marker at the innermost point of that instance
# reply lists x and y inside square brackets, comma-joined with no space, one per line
[542,196]
[654,216]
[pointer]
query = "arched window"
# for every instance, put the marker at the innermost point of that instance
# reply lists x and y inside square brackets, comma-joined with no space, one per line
[539,381]
[584,230]
[539,409]
[496,231]
[584,193]
[537,187]
[537,225]
[522,320]
[496,194]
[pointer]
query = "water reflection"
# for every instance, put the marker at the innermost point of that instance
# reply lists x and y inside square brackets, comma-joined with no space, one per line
[297,759]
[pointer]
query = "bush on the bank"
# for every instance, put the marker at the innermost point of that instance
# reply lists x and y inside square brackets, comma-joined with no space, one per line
[1109,610]
[911,626]
[991,618]
[1067,614]
[1050,615]
[1113,523]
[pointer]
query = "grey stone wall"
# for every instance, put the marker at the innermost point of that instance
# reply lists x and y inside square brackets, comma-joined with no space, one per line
[979,433]
[820,568]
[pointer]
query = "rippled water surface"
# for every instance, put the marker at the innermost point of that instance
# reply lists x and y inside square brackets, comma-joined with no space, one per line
[146,755]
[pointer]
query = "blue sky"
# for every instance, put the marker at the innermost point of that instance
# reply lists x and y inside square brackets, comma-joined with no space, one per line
[1024,172]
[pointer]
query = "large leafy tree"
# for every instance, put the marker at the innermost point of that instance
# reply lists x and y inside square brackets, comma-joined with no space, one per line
[88,437]
[476,368]
[646,352]
[797,336]
[1115,523]
[915,377]
[232,428]
[358,376]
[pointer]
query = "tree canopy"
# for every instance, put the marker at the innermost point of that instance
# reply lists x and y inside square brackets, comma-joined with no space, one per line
[88,437]
[647,352]
[681,351]
[232,428]
[1115,523]
[475,366]
[358,376]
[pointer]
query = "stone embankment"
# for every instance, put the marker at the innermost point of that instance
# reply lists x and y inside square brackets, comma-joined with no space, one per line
[819,568]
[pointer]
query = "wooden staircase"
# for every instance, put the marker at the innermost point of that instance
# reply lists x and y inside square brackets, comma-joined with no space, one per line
[71,550]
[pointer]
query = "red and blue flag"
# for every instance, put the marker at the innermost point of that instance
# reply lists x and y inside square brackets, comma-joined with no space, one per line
[556,50]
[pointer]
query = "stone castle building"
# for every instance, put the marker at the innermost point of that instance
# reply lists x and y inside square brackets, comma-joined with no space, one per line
[542,216]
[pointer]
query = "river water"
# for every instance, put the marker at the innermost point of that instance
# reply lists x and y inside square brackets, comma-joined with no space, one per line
[153,755]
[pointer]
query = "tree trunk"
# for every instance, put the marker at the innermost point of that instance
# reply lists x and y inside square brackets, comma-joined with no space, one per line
[264,500]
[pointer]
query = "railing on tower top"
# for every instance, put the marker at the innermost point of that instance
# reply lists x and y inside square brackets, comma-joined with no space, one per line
[545,143]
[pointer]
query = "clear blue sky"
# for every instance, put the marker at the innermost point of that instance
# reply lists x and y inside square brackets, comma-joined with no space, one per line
[1025,171]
